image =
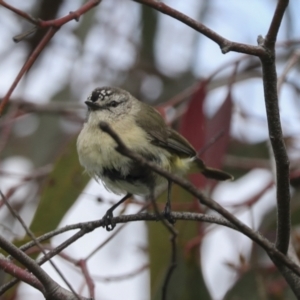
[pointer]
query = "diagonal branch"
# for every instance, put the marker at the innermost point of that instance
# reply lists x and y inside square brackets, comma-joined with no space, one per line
[273,253]
[7,266]
[31,235]
[28,64]
[53,26]
[50,288]
[225,45]
[19,12]
[26,261]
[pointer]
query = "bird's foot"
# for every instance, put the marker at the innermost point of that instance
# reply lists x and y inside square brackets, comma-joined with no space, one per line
[108,220]
[167,214]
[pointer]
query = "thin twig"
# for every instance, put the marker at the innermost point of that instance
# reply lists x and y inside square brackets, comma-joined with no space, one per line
[291,63]
[32,58]
[19,12]
[123,276]
[73,15]
[271,36]
[115,232]
[82,263]
[211,142]
[53,26]
[32,236]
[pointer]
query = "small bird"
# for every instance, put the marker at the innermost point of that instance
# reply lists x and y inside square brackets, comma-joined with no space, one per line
[144,131]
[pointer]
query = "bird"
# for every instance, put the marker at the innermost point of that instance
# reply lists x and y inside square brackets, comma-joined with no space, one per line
[144,131]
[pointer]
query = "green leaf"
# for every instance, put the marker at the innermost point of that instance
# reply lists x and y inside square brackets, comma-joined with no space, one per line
[187,280]
[247,288]
[64,185]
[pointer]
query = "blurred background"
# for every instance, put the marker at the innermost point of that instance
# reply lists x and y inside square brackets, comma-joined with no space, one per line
[201,92]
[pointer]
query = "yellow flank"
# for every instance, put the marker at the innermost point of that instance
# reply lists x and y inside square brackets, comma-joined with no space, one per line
[181,165]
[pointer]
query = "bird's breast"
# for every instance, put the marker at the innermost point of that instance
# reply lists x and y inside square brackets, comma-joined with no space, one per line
[96,149]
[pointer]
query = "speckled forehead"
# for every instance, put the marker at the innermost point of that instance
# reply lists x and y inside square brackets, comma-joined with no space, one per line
[104,93]
[100,94]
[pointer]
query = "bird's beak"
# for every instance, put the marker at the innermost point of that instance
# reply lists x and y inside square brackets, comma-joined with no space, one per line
[92,105]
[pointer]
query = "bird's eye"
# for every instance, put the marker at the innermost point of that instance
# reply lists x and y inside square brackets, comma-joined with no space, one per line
[114,103]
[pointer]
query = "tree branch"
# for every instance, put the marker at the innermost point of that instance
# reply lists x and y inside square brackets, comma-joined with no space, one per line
[280,155]
[273,253]
[53,26]
[225,45]
[31,235]
[271,36]
[26,261]
[28,64]
[275,131]
[90,226]
[19,12]
[7,266]
[50,289]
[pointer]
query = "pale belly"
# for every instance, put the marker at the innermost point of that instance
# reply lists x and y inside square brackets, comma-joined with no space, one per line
[118,173]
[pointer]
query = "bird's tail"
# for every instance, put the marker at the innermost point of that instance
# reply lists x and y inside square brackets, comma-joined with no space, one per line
[211,172]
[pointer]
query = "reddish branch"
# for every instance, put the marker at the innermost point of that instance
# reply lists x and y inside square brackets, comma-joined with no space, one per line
[122,276]
[73,15]
[225,45]
[19,12]
[53,26]
[17,272]
[50,289]
[82,263]
[16,215]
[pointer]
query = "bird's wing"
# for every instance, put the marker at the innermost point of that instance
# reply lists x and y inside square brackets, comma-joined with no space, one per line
[161,135]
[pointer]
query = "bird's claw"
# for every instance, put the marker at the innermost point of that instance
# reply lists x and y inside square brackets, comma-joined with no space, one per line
[167,214]
[108,221]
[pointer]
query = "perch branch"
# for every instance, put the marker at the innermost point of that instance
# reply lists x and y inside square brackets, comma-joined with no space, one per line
[255,236]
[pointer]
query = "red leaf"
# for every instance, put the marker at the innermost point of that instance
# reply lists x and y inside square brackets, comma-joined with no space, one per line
[193,122]
[218,124]
[193,126]
[169,109]
[199,130]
